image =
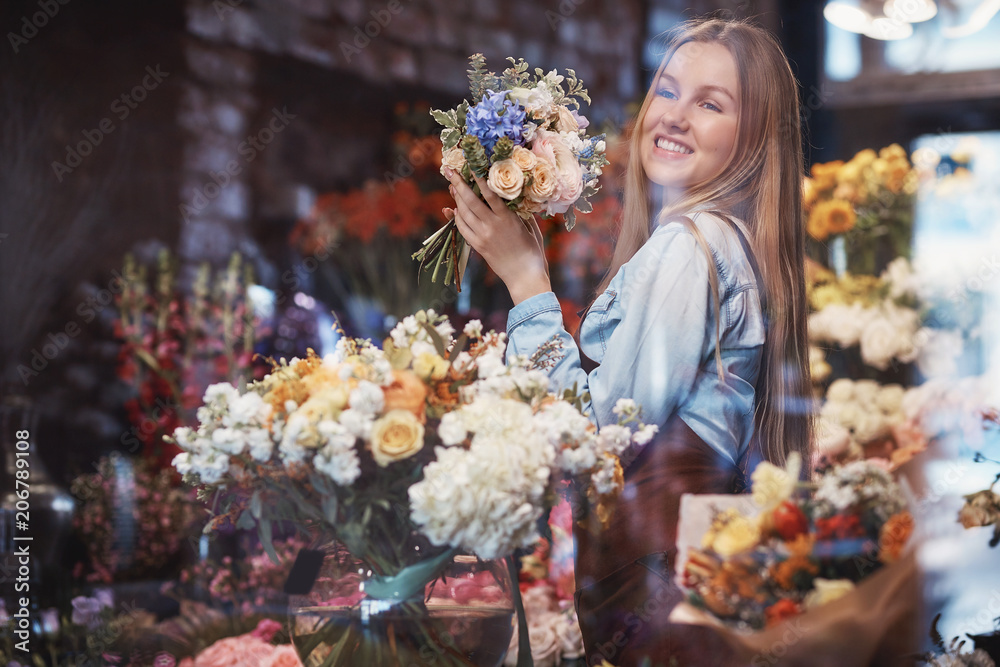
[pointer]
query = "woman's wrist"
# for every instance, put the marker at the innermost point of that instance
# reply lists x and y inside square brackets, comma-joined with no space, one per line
[527,287]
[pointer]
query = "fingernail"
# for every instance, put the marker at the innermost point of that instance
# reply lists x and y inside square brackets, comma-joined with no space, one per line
[448,173]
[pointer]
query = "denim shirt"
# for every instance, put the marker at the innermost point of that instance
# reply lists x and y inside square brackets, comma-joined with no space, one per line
[653,334]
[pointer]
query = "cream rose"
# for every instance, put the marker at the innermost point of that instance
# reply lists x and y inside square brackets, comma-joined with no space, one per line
[544,643]
[430,366]
[453,158]
[772,485]
[543,182]
[565,122]
[396,436]
[524,158]
[828,590]
[506,179]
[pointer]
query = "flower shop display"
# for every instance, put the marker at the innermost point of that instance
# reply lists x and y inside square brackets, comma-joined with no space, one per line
[552,626]
[807,546]
[520,135]
[868,201]
[133,519]
[176,343]
[982,508]
[402,463]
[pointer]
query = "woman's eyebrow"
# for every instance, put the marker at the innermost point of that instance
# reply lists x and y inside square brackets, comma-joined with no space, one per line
[707,87]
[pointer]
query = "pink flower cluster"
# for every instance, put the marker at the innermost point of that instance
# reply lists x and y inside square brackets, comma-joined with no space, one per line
[250,650]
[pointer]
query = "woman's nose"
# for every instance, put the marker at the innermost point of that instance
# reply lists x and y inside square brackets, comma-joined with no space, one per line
[677,117]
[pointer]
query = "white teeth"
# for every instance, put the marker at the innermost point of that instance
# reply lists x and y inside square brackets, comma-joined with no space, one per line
[666,144]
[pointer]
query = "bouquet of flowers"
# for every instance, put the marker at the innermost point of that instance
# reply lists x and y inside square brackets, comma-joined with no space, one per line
[809,544]
[404,456]
[521,136]
[868,200]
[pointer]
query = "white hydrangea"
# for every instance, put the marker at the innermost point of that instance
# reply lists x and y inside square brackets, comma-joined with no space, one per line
[451,430]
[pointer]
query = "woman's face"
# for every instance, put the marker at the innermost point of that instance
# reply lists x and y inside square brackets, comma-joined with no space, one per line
[689,129]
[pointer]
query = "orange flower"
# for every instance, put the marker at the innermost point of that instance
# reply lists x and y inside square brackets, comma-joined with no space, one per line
[785,572]
[407,392]
[835,216]
[894,535]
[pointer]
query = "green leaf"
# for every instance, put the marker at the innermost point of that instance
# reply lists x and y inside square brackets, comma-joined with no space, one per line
[458,347]
[450,138]
[264,532]
[245,522]
[330,509]
[256,507]
[436,339]
[446,118]
[583,206]
[570,218]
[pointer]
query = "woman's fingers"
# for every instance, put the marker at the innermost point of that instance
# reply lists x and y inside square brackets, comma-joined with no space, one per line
[492,199]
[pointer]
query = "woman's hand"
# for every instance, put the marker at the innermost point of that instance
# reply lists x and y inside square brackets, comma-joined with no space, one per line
[515,254]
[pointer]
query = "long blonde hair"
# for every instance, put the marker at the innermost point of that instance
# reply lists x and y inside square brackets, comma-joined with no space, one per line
[762,186]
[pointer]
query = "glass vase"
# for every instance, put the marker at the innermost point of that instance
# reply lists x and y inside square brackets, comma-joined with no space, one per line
[461,617]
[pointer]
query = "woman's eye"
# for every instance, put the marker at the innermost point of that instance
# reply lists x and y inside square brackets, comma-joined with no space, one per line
[711,107]
[667,93]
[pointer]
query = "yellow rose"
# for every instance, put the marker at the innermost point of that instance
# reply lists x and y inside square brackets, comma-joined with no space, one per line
[543,182]
[524,158]
[565,121]
[827,590]
[430,366]
[453,158]
[506,179]
[738,535]
[396,435]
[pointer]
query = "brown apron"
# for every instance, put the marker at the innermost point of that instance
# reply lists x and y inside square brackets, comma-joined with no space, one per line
[624,573]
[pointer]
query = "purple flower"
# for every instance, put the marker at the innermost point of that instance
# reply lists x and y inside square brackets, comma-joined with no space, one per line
[494,117]
[581,120]
[87,611]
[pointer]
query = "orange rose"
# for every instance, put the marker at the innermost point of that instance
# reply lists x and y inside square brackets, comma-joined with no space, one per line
[407,392]
[894,535]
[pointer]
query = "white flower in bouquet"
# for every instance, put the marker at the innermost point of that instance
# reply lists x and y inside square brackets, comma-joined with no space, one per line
[890,399]
[831,438]
[773,485]
[840,390]
[866,392]
[859,483]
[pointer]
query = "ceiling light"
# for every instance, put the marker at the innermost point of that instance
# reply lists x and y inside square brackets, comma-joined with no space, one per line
[847,16]
[889,29]
[910,11]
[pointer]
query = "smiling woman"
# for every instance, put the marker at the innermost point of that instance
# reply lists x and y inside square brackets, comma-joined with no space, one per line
[700,319]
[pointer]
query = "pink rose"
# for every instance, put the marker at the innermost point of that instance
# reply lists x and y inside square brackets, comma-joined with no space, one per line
[284,656]
[266,630]
[569,177]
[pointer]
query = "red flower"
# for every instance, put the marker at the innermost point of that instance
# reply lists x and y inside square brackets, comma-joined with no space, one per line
[839,526]
[789,521]
[781,610]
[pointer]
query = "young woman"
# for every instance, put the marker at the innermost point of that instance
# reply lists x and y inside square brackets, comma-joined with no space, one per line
[701,318]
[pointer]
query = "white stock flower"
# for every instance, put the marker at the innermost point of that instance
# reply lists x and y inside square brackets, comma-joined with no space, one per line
[645,435]
[625,407]
[357,423]
[473,329]
[260,444]
[367,398]
[338,459]
[614,438]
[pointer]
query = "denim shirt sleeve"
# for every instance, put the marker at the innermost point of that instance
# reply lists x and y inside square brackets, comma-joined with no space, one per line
[654,353]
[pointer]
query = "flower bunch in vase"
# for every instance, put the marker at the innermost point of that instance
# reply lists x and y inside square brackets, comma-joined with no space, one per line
[521,137]
[869,201]
[176,343]
[798,546]
[430,453]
